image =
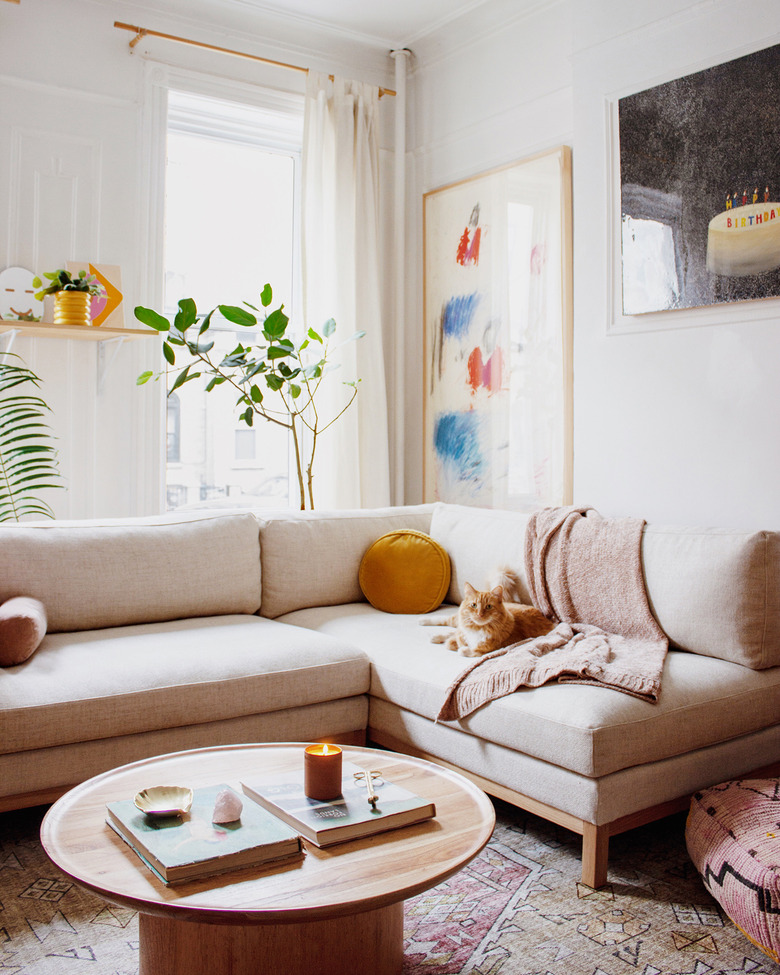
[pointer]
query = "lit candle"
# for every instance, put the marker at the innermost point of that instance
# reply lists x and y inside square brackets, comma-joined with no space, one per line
[322,771]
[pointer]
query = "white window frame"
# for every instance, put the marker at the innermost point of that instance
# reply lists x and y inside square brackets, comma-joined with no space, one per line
[284,134]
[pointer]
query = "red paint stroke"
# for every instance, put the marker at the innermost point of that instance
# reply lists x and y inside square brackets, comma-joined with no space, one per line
[538,258]
[488,375]
[468,249]
[463,247]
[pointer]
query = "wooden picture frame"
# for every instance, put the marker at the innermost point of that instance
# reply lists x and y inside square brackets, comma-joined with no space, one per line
[497,422]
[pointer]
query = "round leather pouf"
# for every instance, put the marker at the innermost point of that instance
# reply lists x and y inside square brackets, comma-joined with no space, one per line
[733,838]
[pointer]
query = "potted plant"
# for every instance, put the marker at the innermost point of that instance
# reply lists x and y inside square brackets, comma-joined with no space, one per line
[28,460]
[72,295]
[276,380]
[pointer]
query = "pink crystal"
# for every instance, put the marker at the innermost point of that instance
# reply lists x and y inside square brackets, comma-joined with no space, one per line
[227,808]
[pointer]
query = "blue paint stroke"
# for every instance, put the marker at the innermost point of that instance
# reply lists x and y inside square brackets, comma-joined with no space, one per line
[457,315]
[457,442]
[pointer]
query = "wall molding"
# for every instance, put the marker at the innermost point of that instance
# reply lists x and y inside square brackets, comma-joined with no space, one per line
[63,91]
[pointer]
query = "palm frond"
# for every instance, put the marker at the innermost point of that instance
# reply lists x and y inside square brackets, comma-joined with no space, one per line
[28,459]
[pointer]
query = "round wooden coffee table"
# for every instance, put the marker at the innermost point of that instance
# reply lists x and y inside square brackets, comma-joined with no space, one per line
[339,911]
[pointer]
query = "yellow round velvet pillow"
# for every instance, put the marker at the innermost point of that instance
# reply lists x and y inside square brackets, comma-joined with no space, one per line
[405,571]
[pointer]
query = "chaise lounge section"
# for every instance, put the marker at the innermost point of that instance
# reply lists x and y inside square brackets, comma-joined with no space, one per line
[176,632]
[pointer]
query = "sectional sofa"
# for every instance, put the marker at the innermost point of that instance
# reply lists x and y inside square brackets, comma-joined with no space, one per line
[211,628]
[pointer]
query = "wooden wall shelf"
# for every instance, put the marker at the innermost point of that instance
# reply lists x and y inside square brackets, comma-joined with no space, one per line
[111,339]
[89,333]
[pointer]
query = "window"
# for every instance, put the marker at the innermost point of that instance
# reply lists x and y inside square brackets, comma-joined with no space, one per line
[231,226]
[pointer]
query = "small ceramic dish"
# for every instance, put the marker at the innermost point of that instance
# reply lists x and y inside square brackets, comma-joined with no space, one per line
[164,800]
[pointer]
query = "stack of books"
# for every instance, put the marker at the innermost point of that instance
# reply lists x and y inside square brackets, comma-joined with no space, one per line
[191,847]
[348,817]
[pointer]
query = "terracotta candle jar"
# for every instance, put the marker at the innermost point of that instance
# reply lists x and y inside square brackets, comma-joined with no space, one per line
[322,771]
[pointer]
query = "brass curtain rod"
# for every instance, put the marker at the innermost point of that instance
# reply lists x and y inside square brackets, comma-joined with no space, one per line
[145,32]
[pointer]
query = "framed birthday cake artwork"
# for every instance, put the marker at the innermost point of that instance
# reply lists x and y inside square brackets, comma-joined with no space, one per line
[697,161]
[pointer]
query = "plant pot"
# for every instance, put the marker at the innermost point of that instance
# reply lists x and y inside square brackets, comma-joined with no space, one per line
[72,308]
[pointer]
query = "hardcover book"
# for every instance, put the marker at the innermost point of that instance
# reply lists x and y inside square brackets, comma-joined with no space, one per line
[347,818]
[189,847]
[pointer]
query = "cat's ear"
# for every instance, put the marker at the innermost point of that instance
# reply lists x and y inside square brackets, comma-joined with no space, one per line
[469,589]
[498,593]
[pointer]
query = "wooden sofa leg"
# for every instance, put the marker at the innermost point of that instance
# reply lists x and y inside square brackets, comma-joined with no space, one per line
[595,853]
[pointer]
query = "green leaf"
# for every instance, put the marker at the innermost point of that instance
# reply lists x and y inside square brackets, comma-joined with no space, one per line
[329,327]
[314,335]
[204,325]
[275,325]
[256,393]
[184,377]
[295,390]
[274,382]
[170,355]
[187,315]
[144,377]
[238,316]
[216,381]
[278,351]
[266,296]
[147,316]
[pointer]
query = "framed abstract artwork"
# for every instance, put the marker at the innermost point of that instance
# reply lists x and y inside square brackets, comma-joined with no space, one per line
[700,188]
[497,336]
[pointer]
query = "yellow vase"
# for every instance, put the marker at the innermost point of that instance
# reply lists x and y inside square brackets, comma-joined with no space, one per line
[72,308]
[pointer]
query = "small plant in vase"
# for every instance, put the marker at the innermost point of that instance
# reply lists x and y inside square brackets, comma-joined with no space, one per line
[72,295]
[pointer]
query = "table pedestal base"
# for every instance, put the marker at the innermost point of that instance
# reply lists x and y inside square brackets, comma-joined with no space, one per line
[353,945]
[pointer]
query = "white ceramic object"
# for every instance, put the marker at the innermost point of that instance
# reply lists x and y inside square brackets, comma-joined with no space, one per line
[164,800]
[227,808]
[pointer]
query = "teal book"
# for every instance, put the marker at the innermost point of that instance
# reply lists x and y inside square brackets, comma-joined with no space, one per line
[349,817]
[190,846]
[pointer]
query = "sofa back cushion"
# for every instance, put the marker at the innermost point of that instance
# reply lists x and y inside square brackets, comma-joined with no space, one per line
[312,558]
[479,541]
[90,575]
[714,592]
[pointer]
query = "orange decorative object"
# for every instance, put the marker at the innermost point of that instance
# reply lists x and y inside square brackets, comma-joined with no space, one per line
[322,771]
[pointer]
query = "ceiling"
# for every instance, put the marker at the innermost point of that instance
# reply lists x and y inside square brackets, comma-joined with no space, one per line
[385,22]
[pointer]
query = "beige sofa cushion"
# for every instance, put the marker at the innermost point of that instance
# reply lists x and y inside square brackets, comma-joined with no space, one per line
[592,731]
[127,680]
[313,558]
[479,541]
[716,592]
[90,575]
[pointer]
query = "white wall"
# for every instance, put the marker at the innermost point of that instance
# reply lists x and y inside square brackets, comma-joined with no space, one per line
[75,184]
[675,424]
[678,424]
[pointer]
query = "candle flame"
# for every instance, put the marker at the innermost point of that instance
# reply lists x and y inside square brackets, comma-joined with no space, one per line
[325,750]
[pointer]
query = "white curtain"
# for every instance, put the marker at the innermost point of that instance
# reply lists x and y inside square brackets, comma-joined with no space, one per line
[341,280]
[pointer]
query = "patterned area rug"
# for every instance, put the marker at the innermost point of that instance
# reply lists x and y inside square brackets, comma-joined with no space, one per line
[518,909]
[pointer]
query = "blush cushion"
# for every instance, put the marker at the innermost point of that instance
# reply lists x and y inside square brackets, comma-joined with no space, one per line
[405,571]
[22,627]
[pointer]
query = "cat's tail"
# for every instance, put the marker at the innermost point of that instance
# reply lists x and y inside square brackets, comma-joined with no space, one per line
[509,580]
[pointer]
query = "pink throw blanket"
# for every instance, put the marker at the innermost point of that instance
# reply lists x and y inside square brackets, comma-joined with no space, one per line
[586,572]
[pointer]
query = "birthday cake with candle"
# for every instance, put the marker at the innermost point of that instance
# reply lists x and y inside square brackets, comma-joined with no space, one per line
[745,237]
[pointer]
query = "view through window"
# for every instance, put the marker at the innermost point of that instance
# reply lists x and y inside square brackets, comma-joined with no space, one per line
[230,227]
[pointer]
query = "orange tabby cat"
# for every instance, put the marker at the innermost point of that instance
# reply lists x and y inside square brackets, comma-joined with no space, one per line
[485,622]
